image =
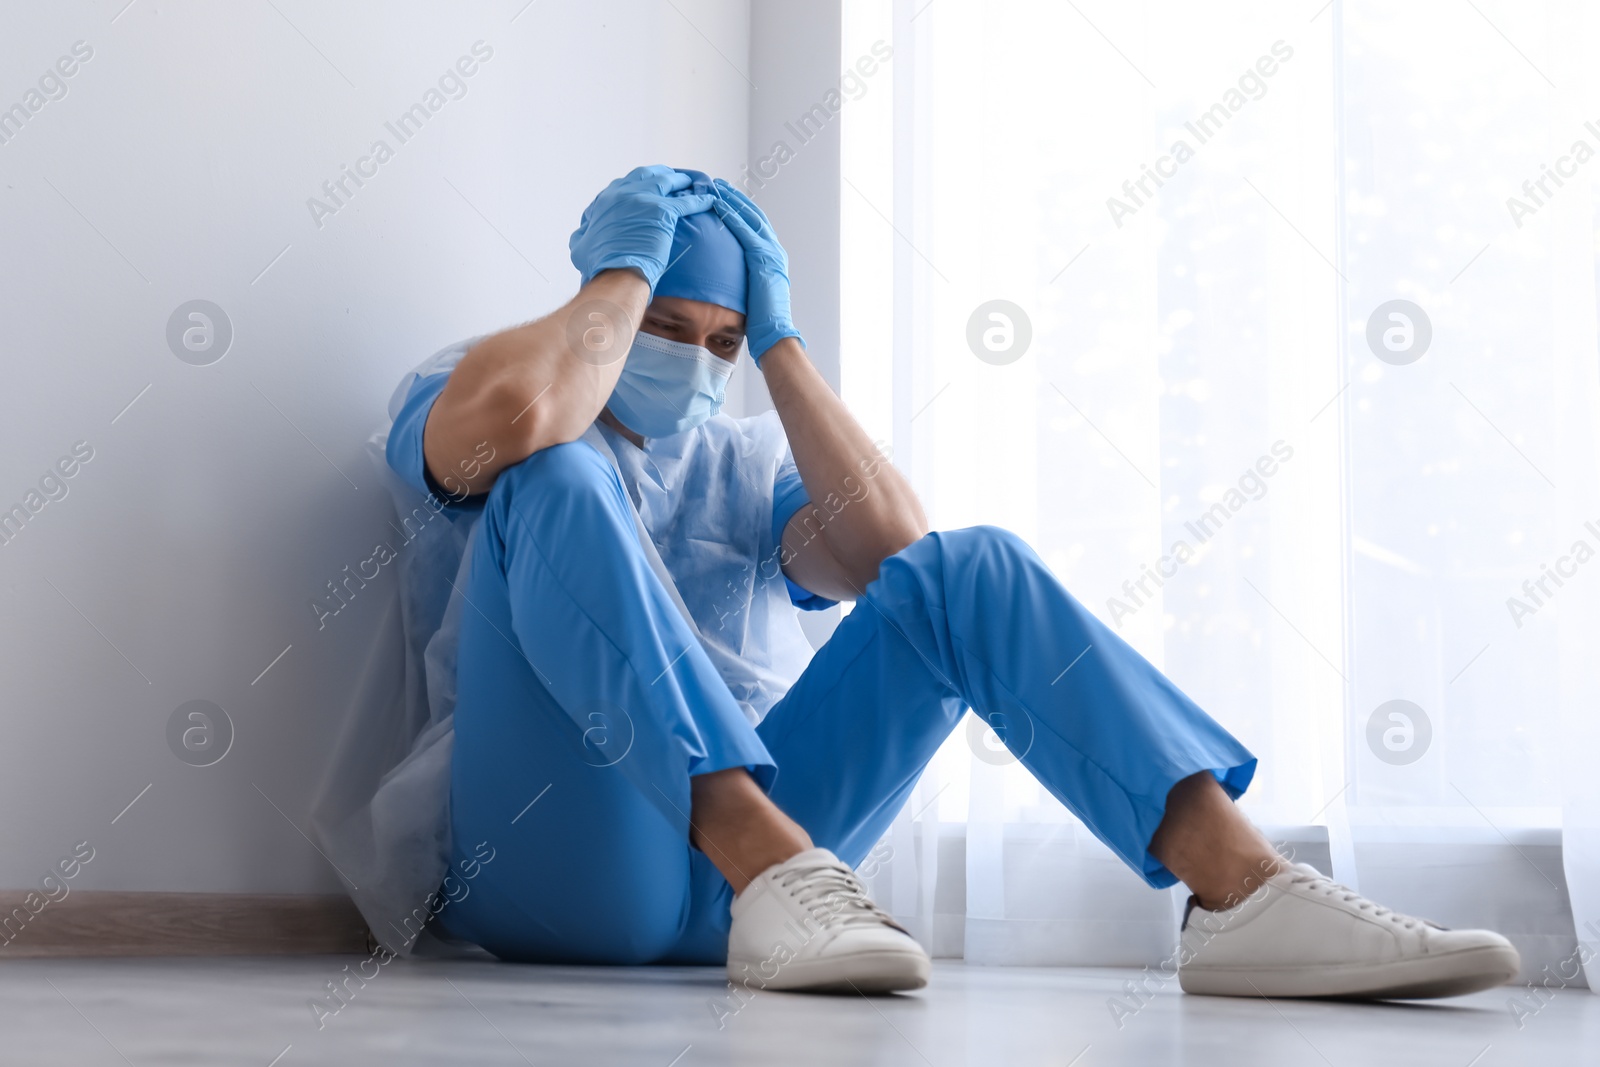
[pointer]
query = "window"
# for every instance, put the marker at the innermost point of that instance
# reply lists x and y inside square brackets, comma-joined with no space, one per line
[1274,330]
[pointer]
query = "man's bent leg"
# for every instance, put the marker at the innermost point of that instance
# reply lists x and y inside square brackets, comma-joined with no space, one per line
[585,706]
[974,618]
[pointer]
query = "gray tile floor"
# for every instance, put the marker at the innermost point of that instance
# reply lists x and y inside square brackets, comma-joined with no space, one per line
[248,1011]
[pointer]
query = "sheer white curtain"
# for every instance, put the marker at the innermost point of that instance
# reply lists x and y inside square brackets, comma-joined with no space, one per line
[1303,501]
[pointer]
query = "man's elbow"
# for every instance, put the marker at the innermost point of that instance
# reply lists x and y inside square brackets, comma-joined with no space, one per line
[523,421]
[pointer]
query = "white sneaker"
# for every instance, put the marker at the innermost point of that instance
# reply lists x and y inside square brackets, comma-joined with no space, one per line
[808,924]
[1304,935]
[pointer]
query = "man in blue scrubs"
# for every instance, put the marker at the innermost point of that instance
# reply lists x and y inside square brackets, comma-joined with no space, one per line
[664,775]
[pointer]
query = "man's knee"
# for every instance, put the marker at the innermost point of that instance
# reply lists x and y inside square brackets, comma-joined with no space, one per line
[951,566]
[567,500]
[574,469]
[990,548]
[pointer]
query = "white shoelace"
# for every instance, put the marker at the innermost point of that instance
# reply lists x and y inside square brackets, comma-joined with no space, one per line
[833,896]
[1328,887]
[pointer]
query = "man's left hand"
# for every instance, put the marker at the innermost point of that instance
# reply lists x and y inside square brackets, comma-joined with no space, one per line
[767,316]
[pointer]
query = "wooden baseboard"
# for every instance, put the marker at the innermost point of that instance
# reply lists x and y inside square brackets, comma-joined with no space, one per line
[108,923]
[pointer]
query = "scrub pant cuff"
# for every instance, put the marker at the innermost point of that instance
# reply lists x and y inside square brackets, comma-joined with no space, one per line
[1234,779]
[742,750]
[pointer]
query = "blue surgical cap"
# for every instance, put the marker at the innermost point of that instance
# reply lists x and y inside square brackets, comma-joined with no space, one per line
[707,261]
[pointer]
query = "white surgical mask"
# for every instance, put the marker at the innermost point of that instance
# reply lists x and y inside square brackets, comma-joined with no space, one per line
[668,387]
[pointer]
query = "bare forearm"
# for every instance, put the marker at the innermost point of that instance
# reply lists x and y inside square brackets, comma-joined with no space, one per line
[866,509]
[533,386]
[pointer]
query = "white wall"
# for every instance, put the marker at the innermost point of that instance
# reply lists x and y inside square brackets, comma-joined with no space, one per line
[794,175]
[795,63]
[183,558]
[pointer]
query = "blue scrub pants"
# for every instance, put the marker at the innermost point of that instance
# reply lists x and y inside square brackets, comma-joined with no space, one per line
[586,704]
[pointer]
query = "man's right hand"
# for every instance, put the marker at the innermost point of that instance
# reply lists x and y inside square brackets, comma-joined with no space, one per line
[543,383]
[630,224]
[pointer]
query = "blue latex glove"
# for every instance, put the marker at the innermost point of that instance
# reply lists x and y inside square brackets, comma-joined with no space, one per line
[767,318]
[630,223]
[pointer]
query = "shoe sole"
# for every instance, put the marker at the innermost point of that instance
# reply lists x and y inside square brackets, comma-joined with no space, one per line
[862,972]
[1422,978]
